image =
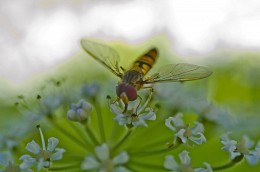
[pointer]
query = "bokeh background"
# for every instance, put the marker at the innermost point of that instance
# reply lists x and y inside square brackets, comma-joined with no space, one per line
[39,49]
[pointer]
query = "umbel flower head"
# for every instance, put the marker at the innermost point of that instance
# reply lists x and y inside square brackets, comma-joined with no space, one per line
[243,148]
[185,164]
[135,117]
[102,162]
[185,132]
[79,112]
[43,156]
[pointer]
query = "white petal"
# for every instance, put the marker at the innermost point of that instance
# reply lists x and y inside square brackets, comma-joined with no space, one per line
[115,109]
[197,128]
[42,164]
[28,161]
[121,158]
[121,169]
[248,143]
[170,163]
[52,143]
[139,122]
[169,123]
[102,152]
[33,147]
[184,157]
[207,169]
[180,134]
[198,140]
[90,163]
[58,154]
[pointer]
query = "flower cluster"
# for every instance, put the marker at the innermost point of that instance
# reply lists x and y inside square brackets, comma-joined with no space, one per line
[183,131]
[135,117]
[43,156]
[242,148]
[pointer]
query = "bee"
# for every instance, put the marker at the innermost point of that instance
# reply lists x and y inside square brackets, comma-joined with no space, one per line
[135,78]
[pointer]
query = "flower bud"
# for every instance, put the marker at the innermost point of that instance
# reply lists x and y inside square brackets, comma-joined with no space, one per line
[79,112]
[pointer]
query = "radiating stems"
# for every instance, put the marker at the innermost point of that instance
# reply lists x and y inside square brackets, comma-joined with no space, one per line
[79,131]
[155,152]
[123,139]
[91,134]
[64,132]
[100,120]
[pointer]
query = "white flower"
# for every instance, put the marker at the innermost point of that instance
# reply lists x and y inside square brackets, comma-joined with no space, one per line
[184,132]
[185,164]
[242,148]
[103,163]
[132,119]
[43,156]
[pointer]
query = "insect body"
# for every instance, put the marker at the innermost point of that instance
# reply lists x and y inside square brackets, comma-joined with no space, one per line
[134,79]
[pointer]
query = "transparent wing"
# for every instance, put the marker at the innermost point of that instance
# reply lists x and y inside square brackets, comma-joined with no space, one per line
[178,73]
[103,54]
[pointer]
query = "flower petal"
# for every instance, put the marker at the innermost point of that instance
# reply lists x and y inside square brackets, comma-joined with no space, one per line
[197,128]
[207,169]
[169,123]
[33,147]
[149,115]
[170,163]
[121,158]
[139,122]
[41,164]
[52,143]
[102,152]
[90,163]
[28,161]
[180,134]
[121,169]
[184,157]
[198,140]
[58,154]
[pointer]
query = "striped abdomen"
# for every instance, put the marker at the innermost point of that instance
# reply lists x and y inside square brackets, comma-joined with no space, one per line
[144,63]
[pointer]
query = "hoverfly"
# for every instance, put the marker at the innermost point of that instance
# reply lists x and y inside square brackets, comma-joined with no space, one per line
[134,79]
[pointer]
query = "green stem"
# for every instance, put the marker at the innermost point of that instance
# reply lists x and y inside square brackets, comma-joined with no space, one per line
[123,139]
[229,164]
[65,168]
[154,152]
[64,132]
[149,166]
[91,135]
[100,121]
[78,131]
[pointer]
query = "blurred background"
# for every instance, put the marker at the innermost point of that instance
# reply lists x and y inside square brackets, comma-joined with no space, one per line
[36,35]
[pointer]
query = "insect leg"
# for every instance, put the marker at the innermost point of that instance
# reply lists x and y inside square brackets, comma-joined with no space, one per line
[138,104]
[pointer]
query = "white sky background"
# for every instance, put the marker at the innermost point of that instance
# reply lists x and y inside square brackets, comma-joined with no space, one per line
[37,34]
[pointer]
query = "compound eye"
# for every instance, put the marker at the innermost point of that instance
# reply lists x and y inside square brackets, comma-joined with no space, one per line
[129,90]
[131,93]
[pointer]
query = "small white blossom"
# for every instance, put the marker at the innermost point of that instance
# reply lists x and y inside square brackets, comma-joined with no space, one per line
[43,156]
[184,132]
[185,164]
[103,163]
[132,119]
[244,147]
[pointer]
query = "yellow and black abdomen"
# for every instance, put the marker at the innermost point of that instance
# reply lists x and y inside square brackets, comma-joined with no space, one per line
[144,63]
